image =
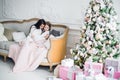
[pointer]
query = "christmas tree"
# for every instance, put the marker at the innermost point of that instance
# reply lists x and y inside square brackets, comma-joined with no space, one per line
[98,39]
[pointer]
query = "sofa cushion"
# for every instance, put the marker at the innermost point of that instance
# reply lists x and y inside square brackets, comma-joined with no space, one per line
[4,51]
[19,36]
[5,44]
[2,45]
[55,32]
[8,34]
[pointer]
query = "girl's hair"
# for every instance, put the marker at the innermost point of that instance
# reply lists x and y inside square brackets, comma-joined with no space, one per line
[49,24]
[39,23]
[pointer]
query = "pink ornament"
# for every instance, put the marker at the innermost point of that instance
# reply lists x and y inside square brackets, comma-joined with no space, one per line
[117,46]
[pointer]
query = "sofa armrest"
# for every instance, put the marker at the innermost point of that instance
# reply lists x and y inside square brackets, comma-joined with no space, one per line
[58,48]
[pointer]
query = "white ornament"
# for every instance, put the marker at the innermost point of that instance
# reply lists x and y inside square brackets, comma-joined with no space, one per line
[108,25]
[99,36]
[82,54]
[93,19]
[109,41]
[115,17]
[77,46]
[84,27]
[96,7]
[102,4]
[71,51]
[89,10]
[94,51]
[75,57]
[113,26]
[89,43]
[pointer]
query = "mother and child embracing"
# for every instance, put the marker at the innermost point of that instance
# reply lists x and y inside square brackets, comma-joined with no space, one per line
[28,53]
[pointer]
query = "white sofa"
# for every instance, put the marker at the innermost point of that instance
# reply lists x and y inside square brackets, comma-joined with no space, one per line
[57,49]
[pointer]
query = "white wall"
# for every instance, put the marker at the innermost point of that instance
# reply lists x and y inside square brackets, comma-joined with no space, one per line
[68,12]
[1,9]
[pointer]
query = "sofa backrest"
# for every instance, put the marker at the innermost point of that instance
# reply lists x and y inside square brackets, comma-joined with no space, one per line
[24,25]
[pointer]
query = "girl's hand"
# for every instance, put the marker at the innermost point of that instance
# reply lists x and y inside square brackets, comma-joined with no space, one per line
[47,36]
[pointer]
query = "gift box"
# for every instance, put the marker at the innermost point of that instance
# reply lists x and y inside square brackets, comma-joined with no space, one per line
[67,73]
[109,62]
[80,76]
[67,62]
[92,68]
[112,62]
[115,76]
[53,78]
[56,71]
[89,78]
[100,77]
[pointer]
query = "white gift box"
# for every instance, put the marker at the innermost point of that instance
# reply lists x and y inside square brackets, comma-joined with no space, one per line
[53,78]
[80,76]
[67,62]
[100,77]
[57,79]
[89,78]
[56,71]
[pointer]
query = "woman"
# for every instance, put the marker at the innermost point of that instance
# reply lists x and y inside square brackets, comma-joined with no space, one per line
[28,56]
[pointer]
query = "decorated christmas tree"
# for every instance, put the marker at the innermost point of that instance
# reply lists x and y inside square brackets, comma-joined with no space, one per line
[98,39]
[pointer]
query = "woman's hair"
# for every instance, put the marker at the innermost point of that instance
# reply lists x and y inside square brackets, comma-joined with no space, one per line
[39,23]
[49,24]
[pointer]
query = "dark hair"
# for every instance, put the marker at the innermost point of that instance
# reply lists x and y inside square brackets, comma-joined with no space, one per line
[39,22]
[49,24]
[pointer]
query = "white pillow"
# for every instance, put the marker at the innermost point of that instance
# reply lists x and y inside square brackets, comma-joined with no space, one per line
[18,36]
[2,36]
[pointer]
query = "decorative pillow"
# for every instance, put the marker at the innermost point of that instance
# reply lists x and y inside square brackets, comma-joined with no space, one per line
[55,33]
[18,36]
[8,34]
[2,36]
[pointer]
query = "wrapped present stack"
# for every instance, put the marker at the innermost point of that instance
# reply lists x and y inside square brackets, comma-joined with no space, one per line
[67,70]
[92,70]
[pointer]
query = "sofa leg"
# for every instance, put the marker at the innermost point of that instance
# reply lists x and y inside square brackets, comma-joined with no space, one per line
[50,68]
[5,58]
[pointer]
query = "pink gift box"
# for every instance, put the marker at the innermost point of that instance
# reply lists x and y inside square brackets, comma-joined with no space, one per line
[96,67]
[116,74]
[64,72]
